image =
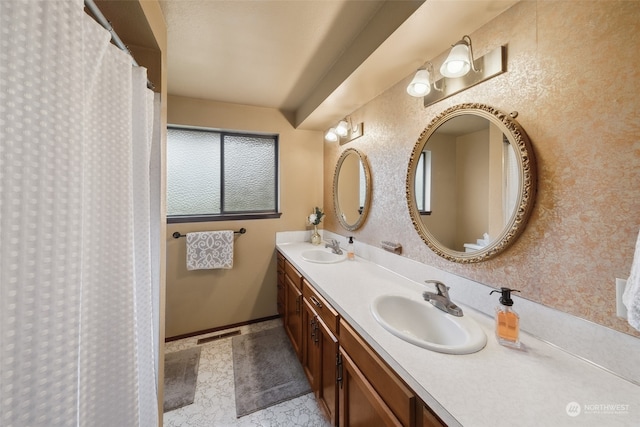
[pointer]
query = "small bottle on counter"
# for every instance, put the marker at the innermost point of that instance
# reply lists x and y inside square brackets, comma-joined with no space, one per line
[351,254]
[507,320]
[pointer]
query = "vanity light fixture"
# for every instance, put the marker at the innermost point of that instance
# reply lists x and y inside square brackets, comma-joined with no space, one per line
[460,71]
[345,131]
[342,129]
[460,59]
[421,84]
[331,135]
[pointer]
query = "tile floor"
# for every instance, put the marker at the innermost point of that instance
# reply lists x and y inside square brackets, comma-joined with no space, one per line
[214,403]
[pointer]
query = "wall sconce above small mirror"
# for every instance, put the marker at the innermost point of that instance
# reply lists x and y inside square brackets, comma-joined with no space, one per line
[471,183]
[345,131]
[352,189]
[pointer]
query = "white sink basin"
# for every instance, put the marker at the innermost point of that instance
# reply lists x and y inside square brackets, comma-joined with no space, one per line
[420,323]
[322,257]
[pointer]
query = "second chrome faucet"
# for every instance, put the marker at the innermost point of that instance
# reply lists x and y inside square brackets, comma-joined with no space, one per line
[335,246]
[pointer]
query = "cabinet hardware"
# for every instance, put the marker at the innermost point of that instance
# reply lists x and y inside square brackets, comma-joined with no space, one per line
[339,368]
[315,302]
[298,304]
[316,335]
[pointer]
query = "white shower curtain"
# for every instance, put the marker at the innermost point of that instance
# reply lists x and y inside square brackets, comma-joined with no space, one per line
[76,288]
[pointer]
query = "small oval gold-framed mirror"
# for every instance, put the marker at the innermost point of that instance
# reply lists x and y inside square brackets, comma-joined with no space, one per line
[471,182]
[352,189]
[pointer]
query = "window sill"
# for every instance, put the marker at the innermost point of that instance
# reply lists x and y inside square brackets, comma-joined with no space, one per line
[177,219]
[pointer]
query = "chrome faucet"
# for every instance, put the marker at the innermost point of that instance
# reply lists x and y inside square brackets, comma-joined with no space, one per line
[335,246]
[441,298]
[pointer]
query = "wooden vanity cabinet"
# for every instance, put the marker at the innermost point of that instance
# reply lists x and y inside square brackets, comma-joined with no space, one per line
[371,393]
[293,307]
[280,304]
[320,350]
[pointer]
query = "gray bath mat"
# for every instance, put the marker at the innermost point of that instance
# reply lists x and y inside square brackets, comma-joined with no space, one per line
[180,377]
[266,370]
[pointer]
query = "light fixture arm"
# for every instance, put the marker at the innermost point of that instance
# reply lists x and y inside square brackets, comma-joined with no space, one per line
[432,76]
[352,127]
[466,39]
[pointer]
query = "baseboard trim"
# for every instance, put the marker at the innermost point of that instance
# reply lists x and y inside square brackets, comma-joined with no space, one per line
[220,328]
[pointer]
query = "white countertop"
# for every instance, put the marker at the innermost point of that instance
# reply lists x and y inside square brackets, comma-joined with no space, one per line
[533,386]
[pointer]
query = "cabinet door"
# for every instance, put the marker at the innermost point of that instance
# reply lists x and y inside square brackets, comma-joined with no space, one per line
[310,347]
[360,404]
[293,315]
[428,418]
[327,390]
[383,379]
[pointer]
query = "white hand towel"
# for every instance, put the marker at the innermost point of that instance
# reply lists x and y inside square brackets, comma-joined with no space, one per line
[631,296]
[210,249]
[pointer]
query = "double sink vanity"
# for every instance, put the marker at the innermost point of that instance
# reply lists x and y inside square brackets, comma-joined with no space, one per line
[362,332]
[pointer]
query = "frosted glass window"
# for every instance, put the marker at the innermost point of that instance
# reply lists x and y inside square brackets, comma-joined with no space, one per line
[193,172]
[249,174]
[215,174]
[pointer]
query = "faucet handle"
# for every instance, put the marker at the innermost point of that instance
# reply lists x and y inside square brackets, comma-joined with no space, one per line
[443,290]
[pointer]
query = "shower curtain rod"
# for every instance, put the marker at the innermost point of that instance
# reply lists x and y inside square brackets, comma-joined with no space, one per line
[100,18]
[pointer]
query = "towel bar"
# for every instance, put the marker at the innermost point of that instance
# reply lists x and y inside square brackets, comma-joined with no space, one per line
[177,234]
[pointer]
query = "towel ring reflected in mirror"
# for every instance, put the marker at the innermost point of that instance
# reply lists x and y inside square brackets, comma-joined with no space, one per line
[471,182]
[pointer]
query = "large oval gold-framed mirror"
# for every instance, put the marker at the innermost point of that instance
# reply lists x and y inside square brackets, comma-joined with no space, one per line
[471,182]
[352,189]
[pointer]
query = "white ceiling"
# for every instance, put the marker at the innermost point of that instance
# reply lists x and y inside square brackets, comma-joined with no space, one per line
[315,60]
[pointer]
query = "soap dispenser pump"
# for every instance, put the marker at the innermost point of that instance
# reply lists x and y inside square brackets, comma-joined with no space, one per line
[351,255]
[507,320]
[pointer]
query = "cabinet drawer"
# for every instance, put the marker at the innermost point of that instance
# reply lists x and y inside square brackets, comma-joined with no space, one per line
[393,391]
[293,274]
[328,315]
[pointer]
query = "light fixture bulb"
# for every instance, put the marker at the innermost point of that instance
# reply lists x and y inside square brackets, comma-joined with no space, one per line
[331,135]
[458,63]
[420,85]
[342,129]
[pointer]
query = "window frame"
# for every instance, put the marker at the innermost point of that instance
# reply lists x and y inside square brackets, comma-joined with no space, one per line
[425,176]
[233,215]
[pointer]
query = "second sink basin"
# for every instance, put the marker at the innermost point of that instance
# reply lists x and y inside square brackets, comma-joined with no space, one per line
[422,324]
[322,256]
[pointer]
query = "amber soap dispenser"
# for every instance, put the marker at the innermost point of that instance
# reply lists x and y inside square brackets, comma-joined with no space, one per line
[507,320]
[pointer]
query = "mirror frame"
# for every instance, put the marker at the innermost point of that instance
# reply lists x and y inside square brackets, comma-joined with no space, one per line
[527,175]
[367,198]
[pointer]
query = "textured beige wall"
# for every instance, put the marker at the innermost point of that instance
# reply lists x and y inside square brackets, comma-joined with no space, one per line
[205,299]
[573,74]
